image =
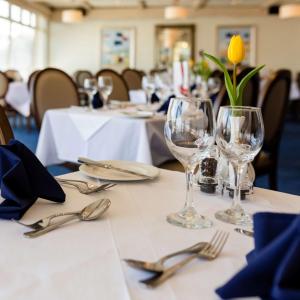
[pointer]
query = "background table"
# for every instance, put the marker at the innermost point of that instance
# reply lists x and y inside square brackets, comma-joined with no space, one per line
[18,97]
[84,260]
[67,134]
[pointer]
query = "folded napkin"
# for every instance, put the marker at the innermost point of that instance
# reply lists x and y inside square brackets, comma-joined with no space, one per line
[23,180]
[273,270]
[97,101]
[154,98]
[165,106]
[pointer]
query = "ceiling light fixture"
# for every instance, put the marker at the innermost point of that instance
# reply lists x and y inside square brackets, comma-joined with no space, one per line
[289,11]
[72,15]
[176,11]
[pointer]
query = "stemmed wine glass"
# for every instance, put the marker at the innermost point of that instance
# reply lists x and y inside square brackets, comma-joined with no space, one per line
[189,132]
[105,85]
[91,88]
[149,86]
[239,136]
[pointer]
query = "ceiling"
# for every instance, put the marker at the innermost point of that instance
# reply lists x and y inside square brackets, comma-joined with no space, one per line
[56,4]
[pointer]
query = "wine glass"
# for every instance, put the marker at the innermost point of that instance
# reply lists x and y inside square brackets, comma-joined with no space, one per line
[91,88]
[189,132]
[239,136]
[149,86]
[105,85]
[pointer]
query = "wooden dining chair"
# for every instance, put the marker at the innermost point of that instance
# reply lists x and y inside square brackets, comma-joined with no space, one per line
[133,79]
[52,88]
[80,75]
[6,133]
[13,75]
[274,109]
[120,88]
[31,78]
[4,82]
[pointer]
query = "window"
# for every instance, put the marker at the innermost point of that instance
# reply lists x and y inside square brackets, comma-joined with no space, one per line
[4,9]
[15,13]
[23,39]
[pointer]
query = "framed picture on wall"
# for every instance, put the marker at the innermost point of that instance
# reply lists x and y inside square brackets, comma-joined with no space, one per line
[117,48]
[248,34]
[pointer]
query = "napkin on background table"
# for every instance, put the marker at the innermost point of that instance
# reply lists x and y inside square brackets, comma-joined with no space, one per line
[165,106]
[273,270]
[23,179]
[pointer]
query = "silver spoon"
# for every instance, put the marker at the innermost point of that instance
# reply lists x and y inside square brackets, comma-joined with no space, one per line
[158,266]
[91,212]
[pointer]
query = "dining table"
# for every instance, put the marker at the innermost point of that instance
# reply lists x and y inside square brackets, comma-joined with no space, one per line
[120,134]
[85,260]
[18,97]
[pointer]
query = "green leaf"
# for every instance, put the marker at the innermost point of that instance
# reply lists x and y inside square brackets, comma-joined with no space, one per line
[243,83]
[228,82]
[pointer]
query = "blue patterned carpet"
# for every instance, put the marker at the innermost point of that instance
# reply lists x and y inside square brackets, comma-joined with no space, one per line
[289,164]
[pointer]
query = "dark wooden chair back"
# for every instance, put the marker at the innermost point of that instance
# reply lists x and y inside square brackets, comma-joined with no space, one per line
[6,133]
[133,79]
[52,88]
[120,89]
[80,76]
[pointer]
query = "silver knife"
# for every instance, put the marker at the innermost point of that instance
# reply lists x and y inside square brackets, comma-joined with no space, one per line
[91,162]
[244,231]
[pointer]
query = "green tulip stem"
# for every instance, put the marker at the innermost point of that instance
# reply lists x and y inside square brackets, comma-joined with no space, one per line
[234,83]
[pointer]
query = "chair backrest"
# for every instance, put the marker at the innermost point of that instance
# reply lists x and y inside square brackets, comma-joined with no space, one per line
[80,75]
[120,89]
[133,79]
[52,88]
[274,108]
[3,85]
[31,79]
[6,133]
[251,90]
[298,80]
[13,75]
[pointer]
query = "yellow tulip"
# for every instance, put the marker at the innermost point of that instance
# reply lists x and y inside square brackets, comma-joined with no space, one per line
[236,50]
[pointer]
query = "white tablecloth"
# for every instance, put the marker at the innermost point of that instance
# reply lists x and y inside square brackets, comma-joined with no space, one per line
[67,134]
[18,97]
[84,260]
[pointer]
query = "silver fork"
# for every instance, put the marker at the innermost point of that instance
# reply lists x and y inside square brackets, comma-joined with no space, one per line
[88,188]
[210,252]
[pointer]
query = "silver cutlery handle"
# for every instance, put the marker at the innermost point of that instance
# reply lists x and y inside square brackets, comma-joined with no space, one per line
[172,270]
[184,251]
[36,233]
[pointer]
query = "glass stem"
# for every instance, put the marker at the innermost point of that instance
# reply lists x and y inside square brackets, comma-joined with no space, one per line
[91,101]
[236,205]
[189,202]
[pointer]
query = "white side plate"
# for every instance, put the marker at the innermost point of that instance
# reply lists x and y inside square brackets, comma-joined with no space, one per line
[112,175]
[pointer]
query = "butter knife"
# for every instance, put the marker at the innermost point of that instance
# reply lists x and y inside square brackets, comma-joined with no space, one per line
[91,162]
[244,231]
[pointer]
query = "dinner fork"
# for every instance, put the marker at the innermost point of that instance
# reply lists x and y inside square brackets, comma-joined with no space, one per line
[89,188]
[210,252]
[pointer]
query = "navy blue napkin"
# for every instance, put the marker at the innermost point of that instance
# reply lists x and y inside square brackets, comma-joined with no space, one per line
[154,98]
[165,106]
[23,180]
[273,270]
[97,101]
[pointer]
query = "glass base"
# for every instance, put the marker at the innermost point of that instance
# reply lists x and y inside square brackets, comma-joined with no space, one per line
[189,218]
[236,217]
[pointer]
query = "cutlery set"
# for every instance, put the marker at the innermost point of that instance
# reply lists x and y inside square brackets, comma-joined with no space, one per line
[207,251]
[91,212]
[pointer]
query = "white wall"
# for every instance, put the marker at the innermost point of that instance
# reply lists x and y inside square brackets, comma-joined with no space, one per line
[77,46]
